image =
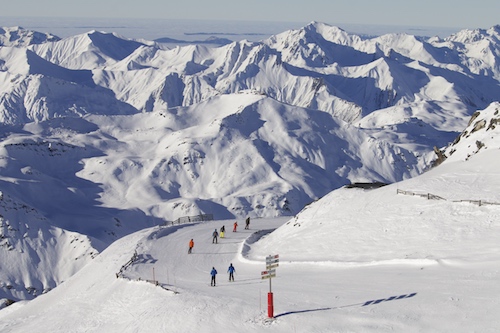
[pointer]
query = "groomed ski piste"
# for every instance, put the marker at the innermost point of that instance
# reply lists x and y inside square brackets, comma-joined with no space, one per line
[354,261]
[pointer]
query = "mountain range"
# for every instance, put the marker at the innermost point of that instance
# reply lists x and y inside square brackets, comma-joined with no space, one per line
[102,135]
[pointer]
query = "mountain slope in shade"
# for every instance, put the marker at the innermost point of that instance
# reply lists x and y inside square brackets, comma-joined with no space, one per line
[36,256]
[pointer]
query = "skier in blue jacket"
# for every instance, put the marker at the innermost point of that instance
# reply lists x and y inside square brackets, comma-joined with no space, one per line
[231,271]
[213,273]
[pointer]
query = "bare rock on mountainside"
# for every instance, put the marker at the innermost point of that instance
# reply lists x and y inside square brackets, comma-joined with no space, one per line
[482,133]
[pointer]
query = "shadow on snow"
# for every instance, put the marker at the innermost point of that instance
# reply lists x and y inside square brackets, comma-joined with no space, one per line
[371,302]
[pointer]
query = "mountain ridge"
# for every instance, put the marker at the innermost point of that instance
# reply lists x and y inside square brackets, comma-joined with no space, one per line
[104,136]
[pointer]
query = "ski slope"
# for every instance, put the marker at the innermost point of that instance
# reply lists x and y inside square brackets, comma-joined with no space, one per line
[438,270]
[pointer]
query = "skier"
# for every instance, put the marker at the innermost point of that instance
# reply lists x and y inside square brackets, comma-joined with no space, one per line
[215,235]
[231,271]
[235,225]
[222,230]
[247,223]
[191,245]
[213,273]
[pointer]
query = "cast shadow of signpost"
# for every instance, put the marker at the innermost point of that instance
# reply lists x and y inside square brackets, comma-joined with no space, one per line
[367,303]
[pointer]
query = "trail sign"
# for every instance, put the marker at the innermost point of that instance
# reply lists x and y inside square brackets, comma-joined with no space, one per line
[276,256]
[263,277]
[272,262]
[268,272]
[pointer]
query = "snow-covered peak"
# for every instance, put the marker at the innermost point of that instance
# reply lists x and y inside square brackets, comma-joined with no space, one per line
[314,32]
[90,50]
[18,36]
[469,36]
[494,30]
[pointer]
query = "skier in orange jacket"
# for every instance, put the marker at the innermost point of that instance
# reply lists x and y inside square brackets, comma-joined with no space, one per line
[191,245]
[235,225]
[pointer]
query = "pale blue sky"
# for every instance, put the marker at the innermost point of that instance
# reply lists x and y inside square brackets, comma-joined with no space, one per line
[436,13]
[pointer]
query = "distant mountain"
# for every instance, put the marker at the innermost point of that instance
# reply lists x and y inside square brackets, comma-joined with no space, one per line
[87,51]
[102,135]
[319,66]
[35,89]
[20,37]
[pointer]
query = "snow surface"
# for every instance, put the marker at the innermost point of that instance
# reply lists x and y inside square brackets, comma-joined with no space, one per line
[104,138]
[418,255]
[356,260]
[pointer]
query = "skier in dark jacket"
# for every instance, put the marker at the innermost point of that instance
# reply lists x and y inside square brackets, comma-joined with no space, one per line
[247,223]
[213,273]
[231,271]
[215,234]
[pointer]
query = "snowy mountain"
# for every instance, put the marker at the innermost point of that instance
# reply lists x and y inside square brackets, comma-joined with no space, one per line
[20,37]
[34,89]
[103,136]
[87,51]
[392,258]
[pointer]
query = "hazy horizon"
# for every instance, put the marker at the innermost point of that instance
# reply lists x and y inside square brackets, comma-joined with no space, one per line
[190,30]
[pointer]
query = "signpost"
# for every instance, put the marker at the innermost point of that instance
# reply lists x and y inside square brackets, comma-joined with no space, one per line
[272,262]
[268,274]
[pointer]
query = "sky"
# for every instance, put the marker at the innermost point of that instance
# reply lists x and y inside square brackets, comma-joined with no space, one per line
[437,13]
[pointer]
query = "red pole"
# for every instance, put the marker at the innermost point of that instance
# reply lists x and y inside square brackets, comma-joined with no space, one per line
[270,306]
